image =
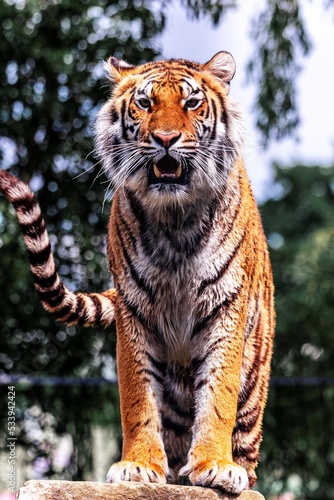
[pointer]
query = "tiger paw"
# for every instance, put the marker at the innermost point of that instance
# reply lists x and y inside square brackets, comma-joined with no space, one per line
[228,476]
[136,471]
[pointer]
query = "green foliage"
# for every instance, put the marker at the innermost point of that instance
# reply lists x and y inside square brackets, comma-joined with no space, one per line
[301,236]
[297,451]
[52,85]
[198,8]
[281,39]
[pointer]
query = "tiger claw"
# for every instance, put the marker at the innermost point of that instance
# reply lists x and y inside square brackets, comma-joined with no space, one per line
[135,471]
[229,477]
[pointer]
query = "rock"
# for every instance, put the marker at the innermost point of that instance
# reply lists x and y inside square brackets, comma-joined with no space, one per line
[80,490]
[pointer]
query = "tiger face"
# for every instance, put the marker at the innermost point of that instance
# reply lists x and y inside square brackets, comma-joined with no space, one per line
[170,132]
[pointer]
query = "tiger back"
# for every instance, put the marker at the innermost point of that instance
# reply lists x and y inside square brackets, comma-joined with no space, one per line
[194,293]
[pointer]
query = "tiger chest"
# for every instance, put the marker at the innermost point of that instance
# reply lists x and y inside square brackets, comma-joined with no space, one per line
[169,273]
[168,310]
[166,291]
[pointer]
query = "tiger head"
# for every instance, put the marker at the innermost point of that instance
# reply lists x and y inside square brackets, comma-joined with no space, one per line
[170,132]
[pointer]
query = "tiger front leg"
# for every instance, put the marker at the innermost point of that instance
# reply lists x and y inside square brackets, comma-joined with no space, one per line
[217,383]
[143,455]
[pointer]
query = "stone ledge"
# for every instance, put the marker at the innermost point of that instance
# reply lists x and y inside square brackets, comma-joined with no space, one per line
[79,490]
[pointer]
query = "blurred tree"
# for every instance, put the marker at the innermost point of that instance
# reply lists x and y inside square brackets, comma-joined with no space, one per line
[52,84]
[51,87]
[300,228]
[280,41]
[297,453]
[51,79]
[200,8]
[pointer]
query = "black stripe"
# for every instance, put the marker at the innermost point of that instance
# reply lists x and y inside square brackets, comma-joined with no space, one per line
[155,332]
[35,228]
[159,365]
[214,109]
[245,424]
[62,312]
[251,382]
[52,297]
[201,325]
[217,412]
[169,425]
[80,311]
[76,316]
[223,118]
[176,64]
[199,236]
[115,141]
[223,114]
[139,280]
[114,115]
[197,363]
[139,213]
[136,426]
[248,449]
[142,91]
[157,377]
[123,110]
[40,257]
[135,206]
[25,204]
[252,320]
[223,269]
[169,400]
[234,219]
[201,383]
[132,307]
[216,343]
[98,309]
[186,82]
[45,281]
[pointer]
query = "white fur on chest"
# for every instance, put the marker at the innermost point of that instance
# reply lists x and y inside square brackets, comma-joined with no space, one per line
[174,311]
[175,308]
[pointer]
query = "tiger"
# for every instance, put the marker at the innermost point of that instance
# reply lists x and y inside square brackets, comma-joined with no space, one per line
[193,296]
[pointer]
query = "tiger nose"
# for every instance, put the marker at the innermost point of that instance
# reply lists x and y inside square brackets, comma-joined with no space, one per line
[166,140]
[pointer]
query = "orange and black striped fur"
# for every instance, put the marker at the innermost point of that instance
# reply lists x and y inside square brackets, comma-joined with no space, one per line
[193,298]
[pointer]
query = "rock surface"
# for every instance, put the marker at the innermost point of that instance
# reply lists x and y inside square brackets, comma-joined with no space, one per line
[79,490]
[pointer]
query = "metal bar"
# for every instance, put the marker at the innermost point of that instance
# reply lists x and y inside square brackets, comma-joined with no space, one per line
[7,379]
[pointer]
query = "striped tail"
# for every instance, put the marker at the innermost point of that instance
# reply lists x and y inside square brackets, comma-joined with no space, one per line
[70,308]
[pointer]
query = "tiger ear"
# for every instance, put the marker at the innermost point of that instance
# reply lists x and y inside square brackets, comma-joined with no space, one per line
[116,69]
[222,65]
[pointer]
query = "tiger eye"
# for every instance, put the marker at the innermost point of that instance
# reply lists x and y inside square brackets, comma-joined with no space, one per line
[143,103]
[193,103]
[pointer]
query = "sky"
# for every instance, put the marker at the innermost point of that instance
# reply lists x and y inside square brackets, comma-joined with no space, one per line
[314,141]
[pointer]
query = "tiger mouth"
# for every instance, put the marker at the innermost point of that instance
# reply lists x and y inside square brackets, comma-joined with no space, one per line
[167,171]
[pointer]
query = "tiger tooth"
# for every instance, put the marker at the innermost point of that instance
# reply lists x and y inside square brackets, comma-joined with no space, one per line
[156,171]
[178,171]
